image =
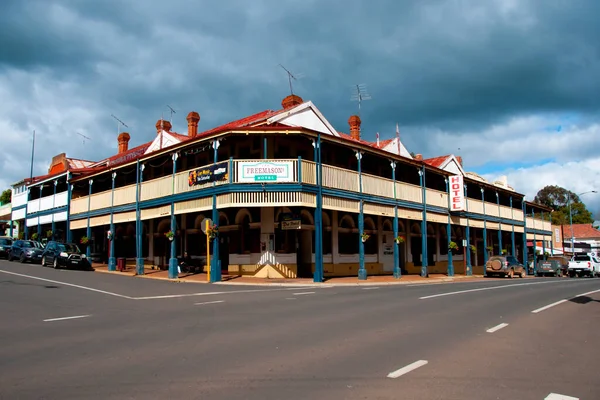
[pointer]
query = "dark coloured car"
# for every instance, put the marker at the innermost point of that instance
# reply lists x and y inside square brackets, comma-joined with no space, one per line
[5,246]
[64,255]
[548,267]
[26,251]
[504,266]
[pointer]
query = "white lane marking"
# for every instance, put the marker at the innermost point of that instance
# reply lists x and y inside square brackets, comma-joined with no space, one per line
[68,284]
[65,318]
[548,306]
[209,302]
[489,288]
[174,296]
[556,396]
[370,288]
[496,328]
[303,293]
[585,294]
[405,370]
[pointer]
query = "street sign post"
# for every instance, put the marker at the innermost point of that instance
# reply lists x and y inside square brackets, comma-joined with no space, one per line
[205,227]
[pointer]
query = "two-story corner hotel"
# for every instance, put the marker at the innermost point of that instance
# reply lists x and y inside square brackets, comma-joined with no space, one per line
[291,197]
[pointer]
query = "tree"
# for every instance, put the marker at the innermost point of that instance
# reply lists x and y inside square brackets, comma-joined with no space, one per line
[6,196]
[557,198]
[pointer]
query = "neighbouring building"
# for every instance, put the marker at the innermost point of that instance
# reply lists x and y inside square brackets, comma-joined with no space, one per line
[586,238]
[289,196]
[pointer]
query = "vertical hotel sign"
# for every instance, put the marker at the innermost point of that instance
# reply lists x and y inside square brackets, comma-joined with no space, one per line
[457,193]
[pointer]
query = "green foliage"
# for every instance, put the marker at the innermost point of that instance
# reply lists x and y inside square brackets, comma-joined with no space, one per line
[557,198]
[6,197]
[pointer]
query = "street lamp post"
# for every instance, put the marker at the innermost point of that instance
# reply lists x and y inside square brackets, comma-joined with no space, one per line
[571,218]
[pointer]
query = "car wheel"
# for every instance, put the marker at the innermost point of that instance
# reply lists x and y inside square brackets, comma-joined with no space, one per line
[43,261]
[9,258]
[523,274]
[22,259]
[511,274]
[55,264]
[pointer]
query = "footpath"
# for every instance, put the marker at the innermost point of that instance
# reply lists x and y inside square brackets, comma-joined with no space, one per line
[252,281]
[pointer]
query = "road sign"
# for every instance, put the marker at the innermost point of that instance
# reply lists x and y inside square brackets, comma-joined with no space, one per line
[206,223]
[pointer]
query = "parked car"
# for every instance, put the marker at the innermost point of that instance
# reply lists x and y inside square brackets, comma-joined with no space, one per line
[504,266]
[548,267]
[5,246]
[584,265]
[65,255]
[26,250]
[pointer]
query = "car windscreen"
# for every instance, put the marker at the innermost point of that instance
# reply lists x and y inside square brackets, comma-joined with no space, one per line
[27,244]
[5,242]
[582,257]
[512,260]
[71,248]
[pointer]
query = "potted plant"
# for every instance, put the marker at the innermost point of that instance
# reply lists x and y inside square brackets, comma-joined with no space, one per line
[170,235]
[490,249]
[364,237]
[34,236]
[399,239]
[473,248]
[504,251]
[49,233]
[84,240]
[452,246]
[109,235]
[212,231]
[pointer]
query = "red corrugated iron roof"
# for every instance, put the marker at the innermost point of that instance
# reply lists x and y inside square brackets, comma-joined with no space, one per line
[436,161]
[581,231]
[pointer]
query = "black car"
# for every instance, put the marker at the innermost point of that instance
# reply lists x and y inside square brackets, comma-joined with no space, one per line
[66,255]
[5,246]
[26,250]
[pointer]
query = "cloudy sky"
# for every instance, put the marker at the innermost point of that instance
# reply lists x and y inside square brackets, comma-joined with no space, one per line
[513,86]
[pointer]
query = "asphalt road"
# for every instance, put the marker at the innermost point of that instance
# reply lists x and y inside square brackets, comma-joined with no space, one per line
[86,335]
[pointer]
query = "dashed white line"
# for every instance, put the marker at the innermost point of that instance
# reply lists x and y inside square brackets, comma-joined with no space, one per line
[487,288]
[555,396]
[549,306]
[405,370]
[370,288]
[585,294]
[303,293]
[496,328]
[68,284]
[209,302]
[65,318]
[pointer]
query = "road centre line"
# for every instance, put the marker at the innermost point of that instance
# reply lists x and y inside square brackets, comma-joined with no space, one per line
[497,328]
[556,396]
[302,293]
[489,288]
[563,301]
[370,288]
[174,296]
[585,294]
[209,302]
[68,284]
[405,370]
[65,318]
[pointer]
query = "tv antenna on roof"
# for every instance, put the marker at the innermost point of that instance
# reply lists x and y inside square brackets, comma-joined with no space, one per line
[291,76]
[360,94]
[119,123]
[172,112]
[83,136]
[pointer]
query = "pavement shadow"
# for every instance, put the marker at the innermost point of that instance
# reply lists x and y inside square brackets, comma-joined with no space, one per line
[29,284]
[583,300]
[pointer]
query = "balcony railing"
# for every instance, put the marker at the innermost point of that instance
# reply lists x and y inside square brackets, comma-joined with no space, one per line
[47,202]
[283,171]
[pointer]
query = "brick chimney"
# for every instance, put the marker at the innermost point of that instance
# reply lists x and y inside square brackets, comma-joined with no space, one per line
[291,101]
[419,157]
[123,142]
[354,122]
[193,118]
[459,159]
[162,125]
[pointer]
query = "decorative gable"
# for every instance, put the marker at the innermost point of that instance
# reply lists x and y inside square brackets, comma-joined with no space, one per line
[163,139]
[452,165]
[395,146]
[305,115]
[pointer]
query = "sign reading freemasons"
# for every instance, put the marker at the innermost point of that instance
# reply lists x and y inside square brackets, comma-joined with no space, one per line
[273,172]
[213,173]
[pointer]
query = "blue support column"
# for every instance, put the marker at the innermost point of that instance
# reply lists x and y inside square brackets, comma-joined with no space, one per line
[173,270]
[215,269]
[397,272]
[25,228]
[468,238]
[499,225]
[88,231]
[534,244]
[551,238]
[362,272]
[139,231]
[319,275]
[485,250]
[524,208]
[69,196]
[10,228]
[54,204]
[512,233]
[112,261]
[543,242]
[449,233]
[39,225]
[424,255]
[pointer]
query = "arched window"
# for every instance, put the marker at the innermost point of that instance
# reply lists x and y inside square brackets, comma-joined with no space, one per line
[347,236]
